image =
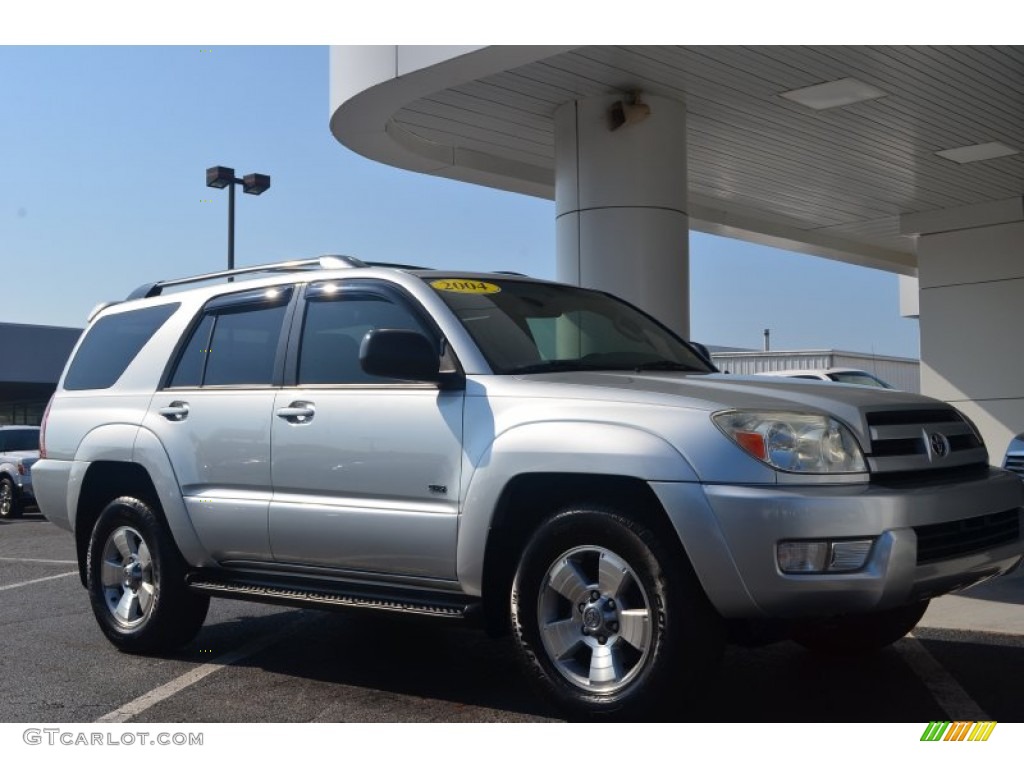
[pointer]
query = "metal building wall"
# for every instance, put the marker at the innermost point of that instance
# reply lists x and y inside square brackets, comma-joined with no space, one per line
[34,356]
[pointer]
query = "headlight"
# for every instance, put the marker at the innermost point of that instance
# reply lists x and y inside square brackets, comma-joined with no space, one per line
[794,442]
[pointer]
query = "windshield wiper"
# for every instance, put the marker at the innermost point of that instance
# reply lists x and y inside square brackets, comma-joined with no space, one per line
[666,365]
[559,366]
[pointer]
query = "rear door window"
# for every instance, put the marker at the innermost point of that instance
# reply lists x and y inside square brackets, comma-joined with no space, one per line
[237,342]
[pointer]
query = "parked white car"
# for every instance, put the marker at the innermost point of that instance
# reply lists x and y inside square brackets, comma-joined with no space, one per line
[19,450]
[840,375]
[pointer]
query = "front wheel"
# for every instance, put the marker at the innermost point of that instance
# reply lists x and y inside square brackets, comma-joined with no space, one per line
[859,633]
[9,505]
[136,581]
[608,620]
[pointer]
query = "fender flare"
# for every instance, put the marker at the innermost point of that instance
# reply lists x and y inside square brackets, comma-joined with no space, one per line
[132,444]
[578,447]
[110,442]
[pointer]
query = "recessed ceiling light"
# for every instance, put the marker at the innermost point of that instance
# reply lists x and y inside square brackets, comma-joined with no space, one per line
[976,152]
[838,93]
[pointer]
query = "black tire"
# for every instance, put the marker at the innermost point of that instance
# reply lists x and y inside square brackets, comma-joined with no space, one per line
[10,506]
[659,628]
[856,634]
[136,581]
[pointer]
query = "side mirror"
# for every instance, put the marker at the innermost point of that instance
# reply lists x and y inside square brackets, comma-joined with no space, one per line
[399,354]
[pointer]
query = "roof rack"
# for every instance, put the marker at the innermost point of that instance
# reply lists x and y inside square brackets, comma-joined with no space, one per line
[393,265]
[331,261]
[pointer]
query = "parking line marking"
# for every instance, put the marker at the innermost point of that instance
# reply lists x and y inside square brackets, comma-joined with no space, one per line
[36,560]
[126,712]
[947,692]
[36,581]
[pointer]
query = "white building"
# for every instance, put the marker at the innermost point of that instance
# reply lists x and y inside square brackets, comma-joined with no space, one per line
[903,158]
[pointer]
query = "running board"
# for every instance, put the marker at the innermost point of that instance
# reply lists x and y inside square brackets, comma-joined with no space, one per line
[437,604]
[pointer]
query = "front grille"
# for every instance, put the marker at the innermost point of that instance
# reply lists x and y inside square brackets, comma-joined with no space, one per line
[900,447]
[942,541]
[921,440]
[922,416]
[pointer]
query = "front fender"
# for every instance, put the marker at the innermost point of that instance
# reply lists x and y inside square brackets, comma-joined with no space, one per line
[549,447]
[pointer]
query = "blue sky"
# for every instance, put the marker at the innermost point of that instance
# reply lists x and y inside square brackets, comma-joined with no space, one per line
[102,159]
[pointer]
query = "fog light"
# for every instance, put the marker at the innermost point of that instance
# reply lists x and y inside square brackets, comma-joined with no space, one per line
[802,556]
[849,555]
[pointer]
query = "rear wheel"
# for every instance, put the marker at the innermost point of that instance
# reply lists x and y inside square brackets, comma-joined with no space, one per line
[9,505]
[607,620]
[859,633]
[136,581]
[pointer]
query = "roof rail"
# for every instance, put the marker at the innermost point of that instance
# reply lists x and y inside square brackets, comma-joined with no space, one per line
[393,265]
[331,261]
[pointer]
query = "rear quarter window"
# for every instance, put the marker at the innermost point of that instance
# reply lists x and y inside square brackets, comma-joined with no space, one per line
[111,344]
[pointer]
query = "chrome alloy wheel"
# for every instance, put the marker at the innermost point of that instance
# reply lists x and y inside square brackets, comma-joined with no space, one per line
[594,617]
[127,577]
[6,499]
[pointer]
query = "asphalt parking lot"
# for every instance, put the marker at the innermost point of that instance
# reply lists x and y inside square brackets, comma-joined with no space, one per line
[257,663]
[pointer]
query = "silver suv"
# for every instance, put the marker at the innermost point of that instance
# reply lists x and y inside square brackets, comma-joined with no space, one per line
[545,459]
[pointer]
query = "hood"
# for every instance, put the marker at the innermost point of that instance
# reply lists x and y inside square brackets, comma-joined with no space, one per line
[715,392]
[28,458]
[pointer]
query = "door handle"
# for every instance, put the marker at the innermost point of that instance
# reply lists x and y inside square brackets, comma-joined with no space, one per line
[176,411]
[299,412]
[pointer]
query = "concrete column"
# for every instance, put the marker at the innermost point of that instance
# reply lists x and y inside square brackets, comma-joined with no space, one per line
[971,273]
[620,205]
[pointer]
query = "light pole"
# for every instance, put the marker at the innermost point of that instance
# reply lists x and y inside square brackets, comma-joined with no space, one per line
[219,177]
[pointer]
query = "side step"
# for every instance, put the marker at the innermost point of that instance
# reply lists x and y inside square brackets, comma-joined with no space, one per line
[342,596]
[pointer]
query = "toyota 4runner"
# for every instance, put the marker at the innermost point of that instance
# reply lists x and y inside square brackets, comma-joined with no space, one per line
[547,459]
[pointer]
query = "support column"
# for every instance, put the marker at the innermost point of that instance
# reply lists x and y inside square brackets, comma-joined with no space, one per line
[971,274]
[621,208]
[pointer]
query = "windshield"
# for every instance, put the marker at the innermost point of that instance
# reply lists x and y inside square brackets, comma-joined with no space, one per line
[524,327]
[20,439]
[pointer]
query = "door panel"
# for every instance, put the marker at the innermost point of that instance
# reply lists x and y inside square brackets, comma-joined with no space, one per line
[214,419]
[220,452]
[370,481]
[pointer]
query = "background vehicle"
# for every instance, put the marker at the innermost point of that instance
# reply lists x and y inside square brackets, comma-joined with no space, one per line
[1014,460]
[19,450]
[840,375]
[544,458]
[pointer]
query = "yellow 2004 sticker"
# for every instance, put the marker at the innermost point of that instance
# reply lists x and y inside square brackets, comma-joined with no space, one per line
[465,286]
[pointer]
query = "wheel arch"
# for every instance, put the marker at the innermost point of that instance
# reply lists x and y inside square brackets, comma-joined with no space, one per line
[103,482]
[146,471]
[558,447]
[529,499]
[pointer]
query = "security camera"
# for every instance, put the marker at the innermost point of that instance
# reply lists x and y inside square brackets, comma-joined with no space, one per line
[628,111]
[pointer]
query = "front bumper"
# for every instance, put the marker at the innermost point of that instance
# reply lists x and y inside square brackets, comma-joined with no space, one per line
[24,489]
[731,532]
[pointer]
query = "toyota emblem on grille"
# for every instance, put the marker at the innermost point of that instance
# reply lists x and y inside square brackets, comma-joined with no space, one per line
[939,443]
